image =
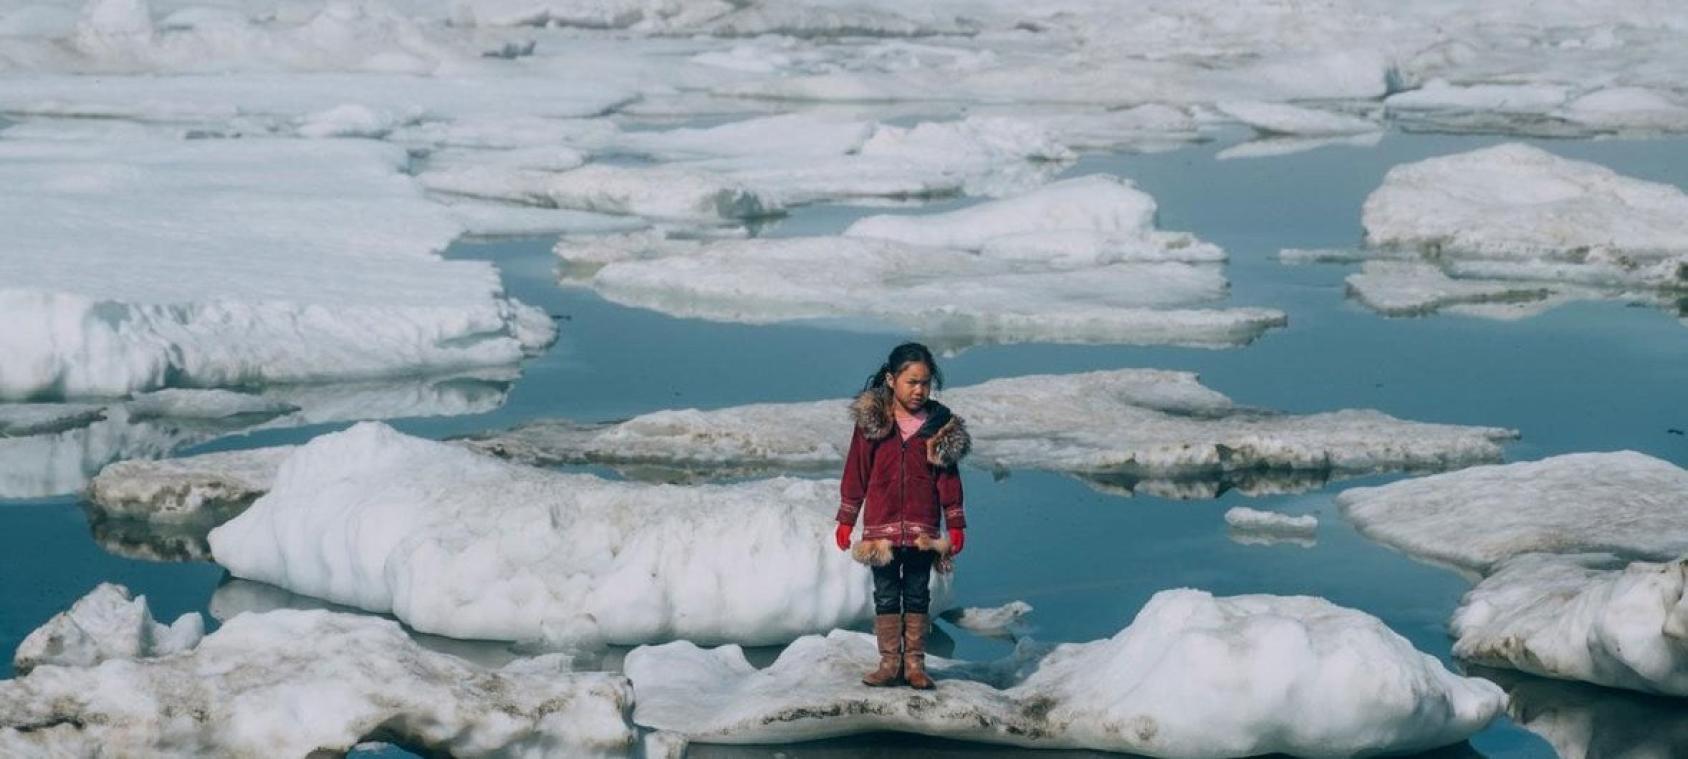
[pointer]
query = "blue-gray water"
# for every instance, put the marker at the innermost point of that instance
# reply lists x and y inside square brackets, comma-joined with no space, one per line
[1585,377]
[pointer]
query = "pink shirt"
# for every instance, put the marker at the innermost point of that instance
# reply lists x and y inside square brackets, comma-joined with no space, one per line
[908,425]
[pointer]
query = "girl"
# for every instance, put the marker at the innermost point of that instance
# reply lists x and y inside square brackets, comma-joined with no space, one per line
[902,465]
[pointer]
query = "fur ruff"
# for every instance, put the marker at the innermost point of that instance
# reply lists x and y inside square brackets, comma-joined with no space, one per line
[872,412]
[877,553]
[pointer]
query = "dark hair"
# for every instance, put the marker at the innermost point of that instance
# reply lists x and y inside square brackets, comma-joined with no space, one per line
[901,356]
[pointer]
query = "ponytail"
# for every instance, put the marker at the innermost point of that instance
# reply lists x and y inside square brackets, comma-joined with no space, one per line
[901,356]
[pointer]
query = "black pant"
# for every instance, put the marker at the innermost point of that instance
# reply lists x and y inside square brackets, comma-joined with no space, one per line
[905,584]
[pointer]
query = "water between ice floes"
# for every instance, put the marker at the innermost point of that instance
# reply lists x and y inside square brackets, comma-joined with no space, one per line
[1584,377]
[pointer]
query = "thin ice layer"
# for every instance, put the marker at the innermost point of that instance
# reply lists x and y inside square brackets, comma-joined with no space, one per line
[105,624]
[304,683]
[1626,503]
[1585,617]
[1141,422]
[944,294]
[210,272]
[463,545]
[1192,676]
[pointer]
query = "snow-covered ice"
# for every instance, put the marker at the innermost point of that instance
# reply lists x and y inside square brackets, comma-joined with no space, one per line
[1078,261]
[1193,675]
[1143,423]
[1582,617]
[142,294]
[1516,202]
[658,192]
[460,544]
[1285,119]
[208,488]
[1626,503]
[105,624]
[306,683]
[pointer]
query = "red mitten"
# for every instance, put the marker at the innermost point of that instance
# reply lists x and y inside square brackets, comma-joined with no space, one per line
[958,537]
[843,536]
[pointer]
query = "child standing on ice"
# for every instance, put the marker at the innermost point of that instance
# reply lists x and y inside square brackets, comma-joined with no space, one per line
[902,467]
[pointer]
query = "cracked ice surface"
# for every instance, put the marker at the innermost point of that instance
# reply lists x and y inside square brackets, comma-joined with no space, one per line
[1587,617]
[141,294]
[304,683]
[1193,675]
[460,544]
[1626,503]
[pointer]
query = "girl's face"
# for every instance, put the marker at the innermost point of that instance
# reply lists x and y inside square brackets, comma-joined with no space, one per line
[911,386]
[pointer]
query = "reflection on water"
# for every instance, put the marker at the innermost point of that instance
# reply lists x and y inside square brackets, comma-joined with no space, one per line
[149,541]
[59,461]
[1584,721]
[899,746]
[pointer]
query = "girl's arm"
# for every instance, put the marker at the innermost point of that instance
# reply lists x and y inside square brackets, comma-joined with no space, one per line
[949,497]
[852,489]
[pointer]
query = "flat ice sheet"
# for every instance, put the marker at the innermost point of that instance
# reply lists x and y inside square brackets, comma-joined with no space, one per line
[1192,676]
[132,265]
[1626,503]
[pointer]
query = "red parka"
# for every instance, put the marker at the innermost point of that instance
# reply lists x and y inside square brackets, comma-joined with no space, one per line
[909,487]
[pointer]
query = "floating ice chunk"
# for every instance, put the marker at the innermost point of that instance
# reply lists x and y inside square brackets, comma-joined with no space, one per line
[1246,519]
[210,487]
[1005,621]
[1516,202]
[1138,422]
[1410,288]
[590,14]
[26,419]
[1476,105]
[105,624]
[820,21]
[1092,204]
[941,293]
[1282,118]
[1626,503]
[186,403]
[1629,109]
[303,683]
[656,191]
[1282,146]
[1193,675]
[505,132]
[460,544]
[138,296]
[1581,617]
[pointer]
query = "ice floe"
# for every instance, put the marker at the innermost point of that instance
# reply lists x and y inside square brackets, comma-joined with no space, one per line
[460,544]
[140,295]
[210,487]
[1114,426]
[1285,119]
[305,683]
[1254,520]
[1193,675]
[1005,621]
[1587,617]
[105,624]
[1625,503]
[1513,230]
[27,419]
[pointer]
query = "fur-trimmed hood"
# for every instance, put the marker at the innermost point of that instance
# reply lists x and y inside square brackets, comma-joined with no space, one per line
[948,441]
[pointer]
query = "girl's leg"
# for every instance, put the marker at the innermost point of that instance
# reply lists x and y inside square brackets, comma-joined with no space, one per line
[887,624]
[916,600]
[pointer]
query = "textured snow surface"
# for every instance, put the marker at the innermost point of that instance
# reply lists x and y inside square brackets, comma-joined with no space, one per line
[1193,675]
[1005,621]
[460,544]
[105,624]
[212,269]
[1110,425]
[295,683]
[1625,503]
[1582,617]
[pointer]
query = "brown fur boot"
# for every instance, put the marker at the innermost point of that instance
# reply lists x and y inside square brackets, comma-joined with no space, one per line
[888,628]
[914,652]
